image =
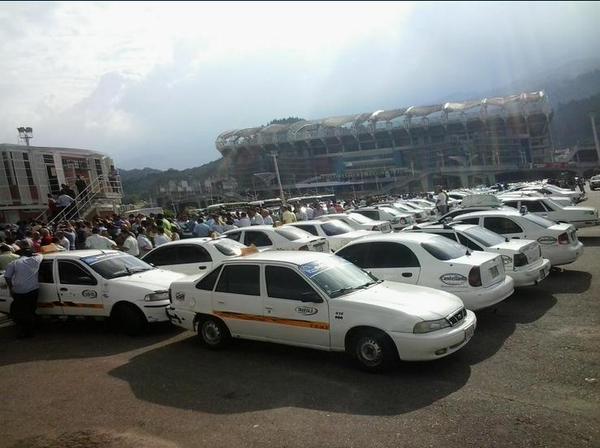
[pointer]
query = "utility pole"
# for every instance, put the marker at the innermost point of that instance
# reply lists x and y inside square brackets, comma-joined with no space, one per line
[593,118]
[281,196]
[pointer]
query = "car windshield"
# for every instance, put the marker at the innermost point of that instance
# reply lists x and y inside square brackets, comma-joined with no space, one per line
[229,247]
[444,249]
[483,236]
[337,277]
[360,219]
[116,265]
[332,228]
[542,222]
[292,233]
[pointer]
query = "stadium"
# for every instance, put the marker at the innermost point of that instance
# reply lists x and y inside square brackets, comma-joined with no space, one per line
[391,151]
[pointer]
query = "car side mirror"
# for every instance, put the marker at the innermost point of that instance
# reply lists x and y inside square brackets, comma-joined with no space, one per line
[311,296]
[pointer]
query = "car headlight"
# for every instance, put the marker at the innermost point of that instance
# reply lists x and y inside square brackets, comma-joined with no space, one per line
[430,325]
[157,296]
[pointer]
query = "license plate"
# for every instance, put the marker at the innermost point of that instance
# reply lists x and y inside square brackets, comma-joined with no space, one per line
[494,271]
[469,332]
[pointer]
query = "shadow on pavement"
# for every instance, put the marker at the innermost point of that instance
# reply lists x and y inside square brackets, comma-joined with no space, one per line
[75,339]
[589,241]
[252,376]
[567,281]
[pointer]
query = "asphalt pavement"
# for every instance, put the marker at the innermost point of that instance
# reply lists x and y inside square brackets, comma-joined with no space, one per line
[529,377]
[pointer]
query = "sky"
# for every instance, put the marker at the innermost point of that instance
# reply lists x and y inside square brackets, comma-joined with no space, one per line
[153,84]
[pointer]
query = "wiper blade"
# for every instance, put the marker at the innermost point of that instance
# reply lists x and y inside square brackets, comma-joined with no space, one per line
[340,292]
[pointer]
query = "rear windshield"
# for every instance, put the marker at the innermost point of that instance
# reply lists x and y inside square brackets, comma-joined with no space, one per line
[292,233]
[484,237]
[335,228]
[361,219]
[391,211]
[542,222]
[229,247]
[444,249]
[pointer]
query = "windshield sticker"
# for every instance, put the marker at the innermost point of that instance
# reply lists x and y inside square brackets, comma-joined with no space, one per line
[314,267]
[97,258]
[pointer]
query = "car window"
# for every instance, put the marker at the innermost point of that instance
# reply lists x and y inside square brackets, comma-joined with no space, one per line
[444,249]
[292,233]
[45,274]
[468,220]
[71,273]
[450,235]
[332,228]
[284,283]
[229,247]
[391,255]
[310,229]
[468,243]
[259,239]
[192,254]
[240,279]
[501,225]
[514,204]
[356,254]
[534,206]
[358,218]
[208,281]
[373,214]
[234,236]
[163,256]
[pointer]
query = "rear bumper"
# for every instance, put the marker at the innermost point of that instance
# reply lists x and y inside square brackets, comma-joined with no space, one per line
[480,298]
[532,275]
[563,255]
[437,344]
[181,318]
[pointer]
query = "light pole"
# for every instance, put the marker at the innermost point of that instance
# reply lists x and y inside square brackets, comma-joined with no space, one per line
[25,134]
[281,196]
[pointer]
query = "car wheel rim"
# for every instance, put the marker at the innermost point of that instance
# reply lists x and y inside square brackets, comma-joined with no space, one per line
[211,333]
[371,352]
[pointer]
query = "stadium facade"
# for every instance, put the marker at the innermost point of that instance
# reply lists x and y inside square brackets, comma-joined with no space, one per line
[406,149]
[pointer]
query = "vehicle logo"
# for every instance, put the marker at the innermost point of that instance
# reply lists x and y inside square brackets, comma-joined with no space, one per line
[307,310]
[180,296]
[453,279]
[546,240]
[89,293]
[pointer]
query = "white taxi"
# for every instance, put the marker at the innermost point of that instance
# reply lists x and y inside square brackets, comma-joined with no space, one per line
[338,233]
[105,284]
[559,242]
[478,278]
[522,258]
[278,238]
[193,256]
[548,208]
[320,301]
[359,222]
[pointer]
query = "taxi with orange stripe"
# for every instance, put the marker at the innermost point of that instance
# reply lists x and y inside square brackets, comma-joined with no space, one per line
[103,284]
[320,301]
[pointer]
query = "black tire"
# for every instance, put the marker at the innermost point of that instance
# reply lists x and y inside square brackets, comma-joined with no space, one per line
[373,351]
[129,319]
[213,333]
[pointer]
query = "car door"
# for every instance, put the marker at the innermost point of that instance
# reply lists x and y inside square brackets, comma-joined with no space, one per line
[237,300]
[49,303]
[296,313]
[79,290]
[393,261]
[504,226]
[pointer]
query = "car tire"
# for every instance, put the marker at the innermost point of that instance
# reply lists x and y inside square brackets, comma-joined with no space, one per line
[129,319]
[374,351]
[213,333]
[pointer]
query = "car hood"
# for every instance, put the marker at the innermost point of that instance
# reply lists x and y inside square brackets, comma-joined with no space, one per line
[426,303]
[155,279]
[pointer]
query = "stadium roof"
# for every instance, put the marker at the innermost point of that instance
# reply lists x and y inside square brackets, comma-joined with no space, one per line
[521,104]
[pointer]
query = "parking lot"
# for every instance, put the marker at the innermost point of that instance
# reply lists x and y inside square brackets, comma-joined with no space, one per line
[529,377]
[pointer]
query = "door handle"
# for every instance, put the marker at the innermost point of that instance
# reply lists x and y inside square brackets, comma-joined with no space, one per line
[202,268]
[407,274]
[64,289]
[220,302]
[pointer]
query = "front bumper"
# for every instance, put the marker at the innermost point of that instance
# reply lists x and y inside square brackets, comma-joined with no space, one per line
[155,311]
[532,274]
[437,344]
[479,298]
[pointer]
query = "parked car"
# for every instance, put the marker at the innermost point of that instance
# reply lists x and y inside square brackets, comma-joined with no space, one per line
[522,258]
[193,255]
[558,241]
[398,220]
[578,216]
[553,190]
[418,214]
[104,284]
[359,222]
[595,182]
[320,301]
[278,238]
[478,278]
[338,233]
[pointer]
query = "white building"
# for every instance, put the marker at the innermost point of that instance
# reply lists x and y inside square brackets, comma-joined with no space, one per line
[29,173]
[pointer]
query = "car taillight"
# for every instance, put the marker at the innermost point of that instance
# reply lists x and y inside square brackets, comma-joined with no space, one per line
[563,238]
[403,221]
[520,260]
[475,276]
[303,248]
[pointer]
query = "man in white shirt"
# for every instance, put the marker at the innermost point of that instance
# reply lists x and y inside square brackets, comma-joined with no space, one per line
[255,218]
[267,218]
[144,243]
[244,221]
[160,237]
[62,240]
[130,244]
[441,200]
[97,241]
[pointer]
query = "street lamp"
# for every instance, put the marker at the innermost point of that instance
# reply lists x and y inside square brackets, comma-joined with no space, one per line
[281,196]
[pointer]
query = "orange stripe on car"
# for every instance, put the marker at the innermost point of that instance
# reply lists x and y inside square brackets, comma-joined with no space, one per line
[273,320]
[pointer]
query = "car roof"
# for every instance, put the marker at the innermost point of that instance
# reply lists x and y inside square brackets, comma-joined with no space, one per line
[449,227]
[199,240]
[493,212]
[416,237]
[311,221]
[80,253]
[261,227]
[297,257]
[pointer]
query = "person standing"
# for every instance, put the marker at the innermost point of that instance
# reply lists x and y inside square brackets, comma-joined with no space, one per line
[160,237]
[144,243]
[52,207]
[7,256]
[22,279]
[267,218]
[97,241]
[81,185]
[288,216]
[201,230]
[130,244]
[441,201]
